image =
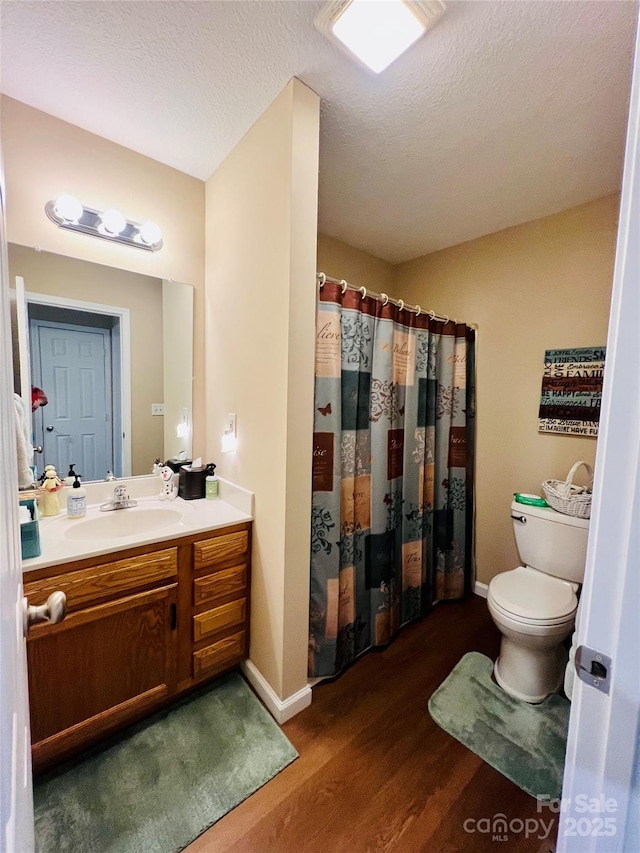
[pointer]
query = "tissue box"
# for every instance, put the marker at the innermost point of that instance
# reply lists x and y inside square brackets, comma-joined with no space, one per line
[29,532]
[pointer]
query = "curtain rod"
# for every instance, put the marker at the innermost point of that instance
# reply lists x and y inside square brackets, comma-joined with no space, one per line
[416,309]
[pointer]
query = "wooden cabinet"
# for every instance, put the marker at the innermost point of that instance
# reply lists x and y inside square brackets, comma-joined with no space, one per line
[140,631]
[219,603]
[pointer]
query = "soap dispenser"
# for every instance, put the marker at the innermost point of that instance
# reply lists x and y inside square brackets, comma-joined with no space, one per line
[77,499]
[211,482]
[68,480]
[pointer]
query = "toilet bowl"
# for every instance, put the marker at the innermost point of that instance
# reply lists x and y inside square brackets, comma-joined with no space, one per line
[534,605]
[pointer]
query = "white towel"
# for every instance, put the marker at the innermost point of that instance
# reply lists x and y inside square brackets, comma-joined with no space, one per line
[23,443]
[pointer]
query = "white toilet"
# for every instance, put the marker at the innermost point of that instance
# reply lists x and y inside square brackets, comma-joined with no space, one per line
[534,606]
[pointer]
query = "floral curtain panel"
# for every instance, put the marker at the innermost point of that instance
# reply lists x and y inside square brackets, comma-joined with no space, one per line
[392,472]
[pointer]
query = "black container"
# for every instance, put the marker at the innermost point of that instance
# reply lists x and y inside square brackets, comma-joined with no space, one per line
[191,484]
[176,464]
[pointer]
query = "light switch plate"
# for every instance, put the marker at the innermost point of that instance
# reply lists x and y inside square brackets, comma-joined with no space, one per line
[231,423]
[157,409]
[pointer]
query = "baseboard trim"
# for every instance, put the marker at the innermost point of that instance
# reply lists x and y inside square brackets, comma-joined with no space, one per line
[481,589]
[280,709]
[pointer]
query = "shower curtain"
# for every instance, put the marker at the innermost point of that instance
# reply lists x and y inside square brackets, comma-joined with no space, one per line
[392,512]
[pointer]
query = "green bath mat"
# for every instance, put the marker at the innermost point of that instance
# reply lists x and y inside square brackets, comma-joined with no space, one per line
[163,782]
[526,743]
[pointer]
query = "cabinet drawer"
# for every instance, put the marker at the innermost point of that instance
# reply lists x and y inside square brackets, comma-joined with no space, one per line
[108,580]
[223,583]
[220,549]
[225,616]
[219,655]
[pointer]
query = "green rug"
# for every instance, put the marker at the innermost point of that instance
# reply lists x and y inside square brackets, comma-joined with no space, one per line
[164,781]
[526,743]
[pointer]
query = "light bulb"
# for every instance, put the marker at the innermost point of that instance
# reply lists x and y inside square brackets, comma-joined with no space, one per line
[68,208]
[112,221]
[150,233]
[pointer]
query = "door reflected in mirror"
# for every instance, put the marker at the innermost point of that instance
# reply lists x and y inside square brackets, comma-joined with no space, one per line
[113,353]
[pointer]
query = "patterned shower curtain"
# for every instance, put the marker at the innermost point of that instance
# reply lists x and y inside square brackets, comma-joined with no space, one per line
[392,516]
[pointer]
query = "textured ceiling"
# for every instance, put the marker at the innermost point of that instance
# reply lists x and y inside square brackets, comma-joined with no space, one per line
[504,112]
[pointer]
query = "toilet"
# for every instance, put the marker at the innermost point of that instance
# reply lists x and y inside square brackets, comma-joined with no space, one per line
[534,606]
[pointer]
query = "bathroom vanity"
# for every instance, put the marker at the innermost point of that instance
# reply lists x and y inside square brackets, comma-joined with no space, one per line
[145,624]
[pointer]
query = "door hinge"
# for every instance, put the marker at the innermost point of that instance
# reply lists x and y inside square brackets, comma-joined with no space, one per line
[593,668]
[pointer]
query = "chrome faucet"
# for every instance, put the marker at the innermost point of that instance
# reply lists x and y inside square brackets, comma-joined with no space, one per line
[110,477]
[120,500]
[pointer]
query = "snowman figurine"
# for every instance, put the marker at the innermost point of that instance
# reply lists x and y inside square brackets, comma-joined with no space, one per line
[51,484]
[169,489]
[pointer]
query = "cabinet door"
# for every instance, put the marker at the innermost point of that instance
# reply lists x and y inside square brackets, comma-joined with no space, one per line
[99,669]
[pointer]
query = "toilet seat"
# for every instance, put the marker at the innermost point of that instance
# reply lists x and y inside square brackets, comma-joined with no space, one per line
[533,598]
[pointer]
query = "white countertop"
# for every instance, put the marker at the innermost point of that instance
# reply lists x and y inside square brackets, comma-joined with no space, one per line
[60,543]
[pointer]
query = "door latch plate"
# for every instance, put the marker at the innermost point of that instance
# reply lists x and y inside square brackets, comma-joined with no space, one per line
[594,668]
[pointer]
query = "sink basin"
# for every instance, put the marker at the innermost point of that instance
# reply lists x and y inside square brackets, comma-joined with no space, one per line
[122,522]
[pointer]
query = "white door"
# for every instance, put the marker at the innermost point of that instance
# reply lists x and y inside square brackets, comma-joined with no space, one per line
[72,364]
[16,802]
[601,792]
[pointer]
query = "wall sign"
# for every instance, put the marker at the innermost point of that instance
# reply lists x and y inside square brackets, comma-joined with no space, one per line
[571,391]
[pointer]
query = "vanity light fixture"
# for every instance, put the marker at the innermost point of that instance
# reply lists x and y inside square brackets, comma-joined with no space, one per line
[377,32]
[67,212]
[112,222]
[67,208]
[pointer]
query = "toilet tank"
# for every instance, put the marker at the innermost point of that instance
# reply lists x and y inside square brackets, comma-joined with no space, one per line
[551,542]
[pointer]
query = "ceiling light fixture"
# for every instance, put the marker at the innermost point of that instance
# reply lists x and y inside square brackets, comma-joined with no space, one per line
[67,212]
[377,32]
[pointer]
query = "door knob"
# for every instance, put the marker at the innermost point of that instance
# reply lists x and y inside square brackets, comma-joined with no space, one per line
[49,427]
[37,448]
[53,610]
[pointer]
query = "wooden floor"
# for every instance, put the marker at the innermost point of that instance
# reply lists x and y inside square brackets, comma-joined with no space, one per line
[375,773]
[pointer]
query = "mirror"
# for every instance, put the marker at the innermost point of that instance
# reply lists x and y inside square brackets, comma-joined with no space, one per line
[113,352]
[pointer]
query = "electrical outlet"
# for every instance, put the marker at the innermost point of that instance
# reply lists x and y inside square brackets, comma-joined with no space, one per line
[157,409]
[231,423]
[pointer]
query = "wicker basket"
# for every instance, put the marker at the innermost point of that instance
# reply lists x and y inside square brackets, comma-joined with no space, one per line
[568,499]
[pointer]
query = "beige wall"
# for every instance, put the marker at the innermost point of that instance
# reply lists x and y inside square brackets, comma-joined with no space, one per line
[261,224]
[60,276]
[44,156]
[538,286]
[339,260]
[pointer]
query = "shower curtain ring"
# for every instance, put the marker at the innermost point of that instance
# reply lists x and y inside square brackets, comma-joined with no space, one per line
[322,279]
[384,297]
[432,314]
[401,304]
[418,310]
[344,286]
[446,319]
[363,291]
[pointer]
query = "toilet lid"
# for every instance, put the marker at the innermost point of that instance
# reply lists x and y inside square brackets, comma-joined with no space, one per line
[532,595]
